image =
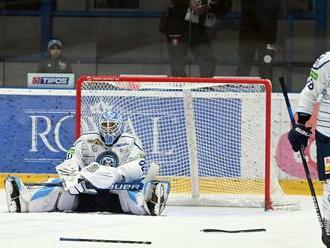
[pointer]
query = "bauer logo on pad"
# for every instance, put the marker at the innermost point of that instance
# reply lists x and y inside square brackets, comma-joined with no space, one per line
[127,186]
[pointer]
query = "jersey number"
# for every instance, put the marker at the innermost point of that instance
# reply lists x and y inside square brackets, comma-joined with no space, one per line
[310,84]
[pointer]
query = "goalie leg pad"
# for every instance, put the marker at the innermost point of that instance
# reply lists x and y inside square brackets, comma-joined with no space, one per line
[49,199]
[66,201]
[36,198]
[131,201]
[23,199]
[42,199]
[150,201]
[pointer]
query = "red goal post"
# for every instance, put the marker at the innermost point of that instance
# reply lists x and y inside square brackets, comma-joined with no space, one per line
[213,105]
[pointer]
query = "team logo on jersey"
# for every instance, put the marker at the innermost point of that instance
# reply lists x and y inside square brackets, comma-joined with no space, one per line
[108,158]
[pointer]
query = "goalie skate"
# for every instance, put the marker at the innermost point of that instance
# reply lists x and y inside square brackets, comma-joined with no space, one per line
[158,194]
[13,187]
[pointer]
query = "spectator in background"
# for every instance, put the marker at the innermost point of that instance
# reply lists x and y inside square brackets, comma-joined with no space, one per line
[187,24]
[54,62]
[257,35]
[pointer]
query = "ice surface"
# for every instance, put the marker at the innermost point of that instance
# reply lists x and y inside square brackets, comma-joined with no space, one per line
[178,227]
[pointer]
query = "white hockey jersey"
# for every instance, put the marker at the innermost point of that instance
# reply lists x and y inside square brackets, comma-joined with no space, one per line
[126,154]
[318,88]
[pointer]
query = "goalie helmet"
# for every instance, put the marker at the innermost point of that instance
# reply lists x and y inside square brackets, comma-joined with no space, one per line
[111,126]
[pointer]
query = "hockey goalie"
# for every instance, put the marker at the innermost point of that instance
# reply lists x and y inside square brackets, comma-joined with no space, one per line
[95,163]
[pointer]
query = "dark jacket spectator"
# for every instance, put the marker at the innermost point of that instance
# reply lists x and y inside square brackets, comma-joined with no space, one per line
[54,62]
[260,17]
[257,34]
[187,24]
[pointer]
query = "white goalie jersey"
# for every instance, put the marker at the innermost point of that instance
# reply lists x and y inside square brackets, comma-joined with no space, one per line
[121,162]
[318,88]
[94,165]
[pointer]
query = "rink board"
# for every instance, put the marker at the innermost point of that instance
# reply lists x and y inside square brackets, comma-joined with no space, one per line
[37,129]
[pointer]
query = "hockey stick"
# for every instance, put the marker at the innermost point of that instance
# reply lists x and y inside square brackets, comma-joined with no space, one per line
[116,186]
[150,176]
[234,231]
[107,241]
[303,159]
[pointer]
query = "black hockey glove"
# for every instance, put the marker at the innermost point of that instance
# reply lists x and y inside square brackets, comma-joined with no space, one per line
[298,136]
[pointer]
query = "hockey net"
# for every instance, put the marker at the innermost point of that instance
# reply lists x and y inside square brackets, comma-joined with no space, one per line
[211,137]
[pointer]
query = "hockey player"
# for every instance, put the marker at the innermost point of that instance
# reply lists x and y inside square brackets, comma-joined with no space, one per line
[93,165]
[317,87]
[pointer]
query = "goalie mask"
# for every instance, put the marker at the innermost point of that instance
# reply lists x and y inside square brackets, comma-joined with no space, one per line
[111,126]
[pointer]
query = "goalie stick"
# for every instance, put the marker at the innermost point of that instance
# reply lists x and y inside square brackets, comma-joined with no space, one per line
[116,186]
[107,241]
[303,159]
[234,231]
[150,176]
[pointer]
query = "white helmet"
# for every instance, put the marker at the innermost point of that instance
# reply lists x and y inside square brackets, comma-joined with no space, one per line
[111,126]
[55,43]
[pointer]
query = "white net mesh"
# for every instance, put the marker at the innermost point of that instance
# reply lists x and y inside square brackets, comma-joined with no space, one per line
[208,137]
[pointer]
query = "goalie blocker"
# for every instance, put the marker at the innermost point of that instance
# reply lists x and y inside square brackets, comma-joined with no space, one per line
[151,200]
